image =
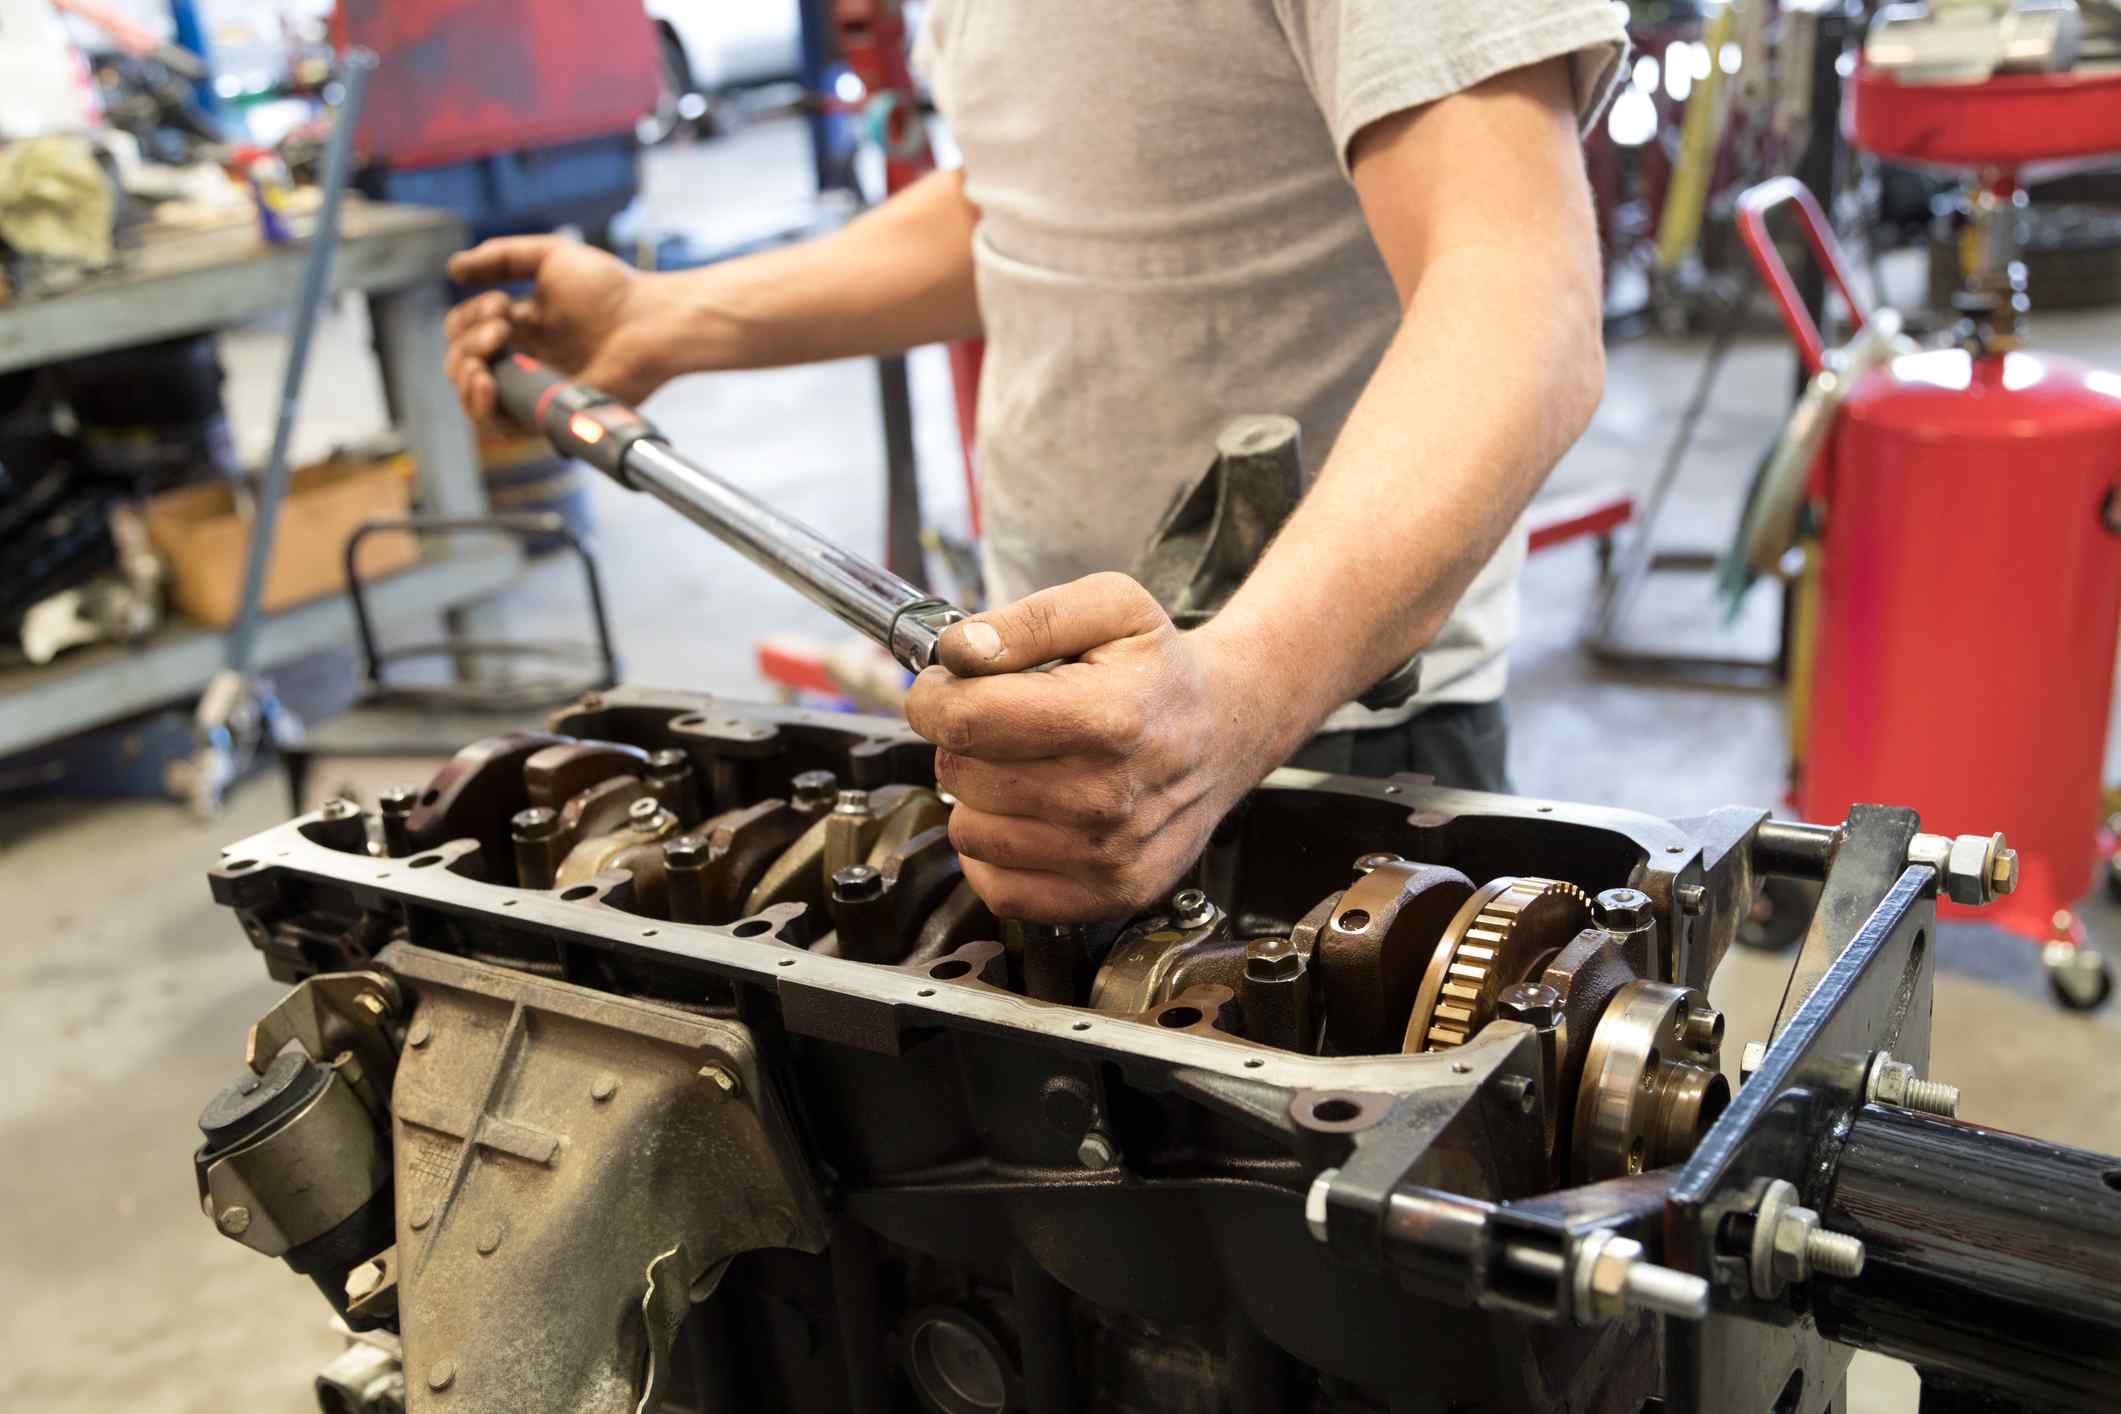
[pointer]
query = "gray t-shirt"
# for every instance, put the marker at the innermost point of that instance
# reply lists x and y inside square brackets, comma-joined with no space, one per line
[1169,238]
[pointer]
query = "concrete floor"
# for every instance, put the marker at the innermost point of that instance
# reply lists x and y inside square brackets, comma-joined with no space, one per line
[125,993]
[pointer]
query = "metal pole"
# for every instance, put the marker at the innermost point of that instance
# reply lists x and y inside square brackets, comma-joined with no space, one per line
[355,67]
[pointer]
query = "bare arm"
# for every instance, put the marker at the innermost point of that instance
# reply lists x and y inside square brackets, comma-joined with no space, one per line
[1480,207]
[896,277]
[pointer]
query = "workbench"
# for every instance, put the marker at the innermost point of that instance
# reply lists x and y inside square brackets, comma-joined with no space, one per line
[188,281]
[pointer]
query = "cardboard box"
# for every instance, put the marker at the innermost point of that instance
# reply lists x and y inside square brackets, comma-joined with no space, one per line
[205,542]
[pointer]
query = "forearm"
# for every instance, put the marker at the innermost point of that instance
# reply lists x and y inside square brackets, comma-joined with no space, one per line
[896,277]
[1493,374]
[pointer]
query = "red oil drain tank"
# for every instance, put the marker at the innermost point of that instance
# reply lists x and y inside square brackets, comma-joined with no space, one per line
[1970,592]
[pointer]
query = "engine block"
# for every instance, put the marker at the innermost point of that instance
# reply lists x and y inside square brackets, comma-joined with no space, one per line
[665,1060]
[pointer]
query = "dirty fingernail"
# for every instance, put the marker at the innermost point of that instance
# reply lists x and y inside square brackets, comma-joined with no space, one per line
[982,640]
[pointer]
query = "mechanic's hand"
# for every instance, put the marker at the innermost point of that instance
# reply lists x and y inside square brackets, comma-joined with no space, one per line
[1085,792]
[584,316]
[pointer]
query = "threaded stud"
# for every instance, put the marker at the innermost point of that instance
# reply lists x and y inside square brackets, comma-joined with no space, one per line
[1834,1254]
[1933,1097]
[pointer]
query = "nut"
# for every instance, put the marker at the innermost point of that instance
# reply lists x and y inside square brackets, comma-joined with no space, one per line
[1376,861]
[852,802]
[722,1076]
[1603,1264]
[667,760]
[340,808]
[1534,1003]
[1970,868]
[1788,1242]
[1622,910]
[1271,959]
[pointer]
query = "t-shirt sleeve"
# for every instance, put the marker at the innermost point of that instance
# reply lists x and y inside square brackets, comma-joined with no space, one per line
[1368,59]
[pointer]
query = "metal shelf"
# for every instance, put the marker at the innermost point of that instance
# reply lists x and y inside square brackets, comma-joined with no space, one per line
[98,685]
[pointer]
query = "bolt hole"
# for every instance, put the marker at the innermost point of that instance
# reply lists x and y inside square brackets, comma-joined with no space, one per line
[648,932]
[949,968]
[508,903]
[234,865]
[1391,790]
[1635,1157]
[1080,1026]
[382,876]
[1675,849]
[431,797]
[1353,921]
[1254,1064]
[1460,1068]
[1335,1111]
[752,927]
[1178,1017]
[2112,1178]
[787,962]
[425,861]
[687,721]
[926,992]
[580,891]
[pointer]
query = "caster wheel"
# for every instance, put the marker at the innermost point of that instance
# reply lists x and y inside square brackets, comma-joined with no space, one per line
[2080,977]
[1782,910]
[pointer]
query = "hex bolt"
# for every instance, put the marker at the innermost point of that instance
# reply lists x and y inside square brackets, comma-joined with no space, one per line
[1533,1003]
[857,883]
[1622,910]
[396,800]
[373,1005]
[1750,1060]
[2003,872]
[669,758]
[1315,1200]
[851,802]
[1892,1082]
[645,813]
[441,1375]
[1692,899]
[1096,1151]
[812,791]
[234,1220]
[724,1078]
[537,823]
[340,808]
[1192,908]
[1704,1029]
[1376,861]
[1271,959]
[363,1280]
[686,852]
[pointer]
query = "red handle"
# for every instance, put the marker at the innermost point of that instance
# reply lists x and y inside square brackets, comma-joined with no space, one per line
[1753,209]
